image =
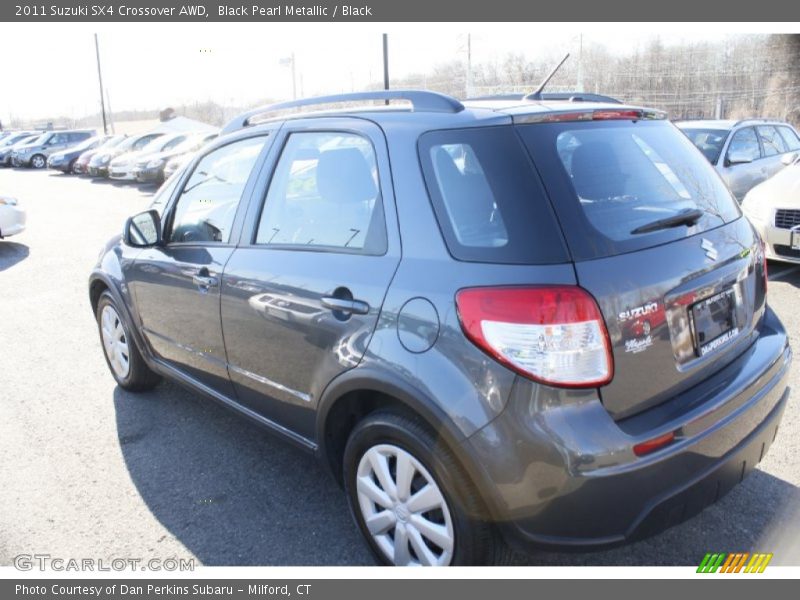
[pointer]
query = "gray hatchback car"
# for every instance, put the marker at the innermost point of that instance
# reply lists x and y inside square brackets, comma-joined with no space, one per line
[745,152]
[499,324]
[35,153]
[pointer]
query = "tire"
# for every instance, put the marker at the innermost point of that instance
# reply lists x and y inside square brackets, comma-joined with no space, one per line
[119,348]
[453,515]
[71,167]
[38,161]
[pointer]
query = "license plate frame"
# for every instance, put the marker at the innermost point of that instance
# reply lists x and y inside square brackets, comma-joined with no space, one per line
[714,321]
[794,239]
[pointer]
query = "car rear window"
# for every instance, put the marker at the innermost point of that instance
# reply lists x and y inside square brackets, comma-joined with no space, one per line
[489,202]
[708,141]
[608,179]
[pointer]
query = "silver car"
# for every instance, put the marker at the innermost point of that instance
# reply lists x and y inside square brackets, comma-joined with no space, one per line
[744,152]
[35,154]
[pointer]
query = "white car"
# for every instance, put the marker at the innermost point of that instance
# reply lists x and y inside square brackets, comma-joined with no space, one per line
[122,167]
[773,208]
[12,217]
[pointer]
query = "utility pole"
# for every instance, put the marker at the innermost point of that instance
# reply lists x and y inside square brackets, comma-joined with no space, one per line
[469,66]
[579,84]
[386,61]
[294,79]
[110,112]
[100,78]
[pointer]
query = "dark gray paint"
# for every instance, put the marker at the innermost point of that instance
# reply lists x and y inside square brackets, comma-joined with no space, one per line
[547,461]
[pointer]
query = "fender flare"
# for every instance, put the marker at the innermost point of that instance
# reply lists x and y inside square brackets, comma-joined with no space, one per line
[369,378]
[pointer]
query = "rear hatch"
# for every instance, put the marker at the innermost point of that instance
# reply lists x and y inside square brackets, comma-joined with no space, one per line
[659,242]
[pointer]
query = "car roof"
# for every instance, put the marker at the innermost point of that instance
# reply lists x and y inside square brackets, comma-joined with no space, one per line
[469,113]
[725,123]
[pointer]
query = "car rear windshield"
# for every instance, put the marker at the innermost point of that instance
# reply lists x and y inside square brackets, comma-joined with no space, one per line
[708,141]
[613,182]
[489,202]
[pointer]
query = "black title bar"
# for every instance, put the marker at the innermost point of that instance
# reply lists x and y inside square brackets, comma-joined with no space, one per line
[377,11]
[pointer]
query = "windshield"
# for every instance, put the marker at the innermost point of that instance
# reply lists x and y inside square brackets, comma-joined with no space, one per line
[708,141]
[113,142]
[37,139]
[636,184]
[157,145]
[86,144]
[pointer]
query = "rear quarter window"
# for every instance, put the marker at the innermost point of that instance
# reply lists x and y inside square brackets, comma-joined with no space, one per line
[488,200]
[608,179]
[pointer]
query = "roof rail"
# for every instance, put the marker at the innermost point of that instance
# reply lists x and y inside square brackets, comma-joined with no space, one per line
[742,121]
[422,101]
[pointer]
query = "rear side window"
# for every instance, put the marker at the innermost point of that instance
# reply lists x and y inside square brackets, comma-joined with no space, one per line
[771,140]
[488,200]
[612,182]
[790,137]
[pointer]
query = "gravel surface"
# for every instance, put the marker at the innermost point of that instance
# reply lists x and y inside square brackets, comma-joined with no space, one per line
[90,471]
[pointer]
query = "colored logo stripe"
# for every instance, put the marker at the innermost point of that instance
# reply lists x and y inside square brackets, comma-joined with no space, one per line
[734,562]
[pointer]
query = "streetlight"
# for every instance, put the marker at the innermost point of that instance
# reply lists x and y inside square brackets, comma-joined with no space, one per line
[286,62]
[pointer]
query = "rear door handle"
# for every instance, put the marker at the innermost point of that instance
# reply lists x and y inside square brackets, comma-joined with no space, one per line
[357,307]
[205,281]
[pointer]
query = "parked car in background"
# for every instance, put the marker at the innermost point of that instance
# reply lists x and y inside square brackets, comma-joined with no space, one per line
[7,148]
[435,302]
[773,208]
[12,217]
[13,137]
[81,165]
[152,167]
[176,163]
[64,161]
[744,152]
[34,154]
[122,167]
[98,165]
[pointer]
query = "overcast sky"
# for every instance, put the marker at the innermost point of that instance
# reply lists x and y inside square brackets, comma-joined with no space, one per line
[50,69]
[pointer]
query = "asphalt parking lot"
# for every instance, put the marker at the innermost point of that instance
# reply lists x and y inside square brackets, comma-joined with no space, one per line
[90,471]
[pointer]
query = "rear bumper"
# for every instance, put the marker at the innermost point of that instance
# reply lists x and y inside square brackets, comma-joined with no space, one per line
[559,472]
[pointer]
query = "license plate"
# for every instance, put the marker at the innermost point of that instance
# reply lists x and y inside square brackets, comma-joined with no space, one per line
[714,321]
[795,240]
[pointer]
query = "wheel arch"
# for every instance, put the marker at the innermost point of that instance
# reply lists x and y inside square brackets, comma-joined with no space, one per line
[362,391]
[99,282]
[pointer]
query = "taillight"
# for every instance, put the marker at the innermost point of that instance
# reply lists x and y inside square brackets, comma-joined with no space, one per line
[552,334]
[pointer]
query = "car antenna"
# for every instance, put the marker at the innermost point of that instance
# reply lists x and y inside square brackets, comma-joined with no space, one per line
[537,95]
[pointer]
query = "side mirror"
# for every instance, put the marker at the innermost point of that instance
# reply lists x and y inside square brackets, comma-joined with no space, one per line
[738,158]
[789,158]
[143,230]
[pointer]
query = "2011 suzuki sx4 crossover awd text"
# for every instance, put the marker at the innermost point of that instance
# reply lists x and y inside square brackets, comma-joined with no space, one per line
[500,324]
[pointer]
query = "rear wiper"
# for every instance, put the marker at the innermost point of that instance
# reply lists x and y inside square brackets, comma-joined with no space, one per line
[687,217]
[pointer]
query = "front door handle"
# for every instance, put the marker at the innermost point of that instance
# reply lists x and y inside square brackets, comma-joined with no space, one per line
[205,281]
[357,307]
